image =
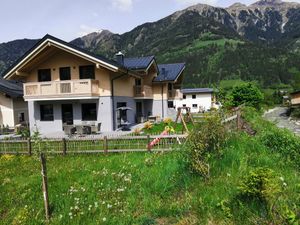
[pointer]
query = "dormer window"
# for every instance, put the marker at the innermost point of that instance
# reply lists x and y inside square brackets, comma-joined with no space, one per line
[87,72]
[44,75]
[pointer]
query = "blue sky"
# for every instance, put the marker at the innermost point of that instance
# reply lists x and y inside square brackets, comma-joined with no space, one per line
[68,19]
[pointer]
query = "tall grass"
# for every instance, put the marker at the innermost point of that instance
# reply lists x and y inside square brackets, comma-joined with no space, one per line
[138,188]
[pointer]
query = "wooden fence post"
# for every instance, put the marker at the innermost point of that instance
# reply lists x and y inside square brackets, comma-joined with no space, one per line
[148,143]
[238,119]
[105,144]
[45,185]
[64,146]
[29,146]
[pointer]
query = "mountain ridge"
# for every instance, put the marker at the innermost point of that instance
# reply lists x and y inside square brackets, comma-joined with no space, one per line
[207,38]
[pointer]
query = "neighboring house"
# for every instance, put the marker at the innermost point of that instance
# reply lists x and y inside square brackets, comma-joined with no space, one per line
[64,84]
[13,108]
[295,98]
[198,99]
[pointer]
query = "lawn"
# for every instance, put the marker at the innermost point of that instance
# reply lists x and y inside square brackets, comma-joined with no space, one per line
[148,188]
[158,128]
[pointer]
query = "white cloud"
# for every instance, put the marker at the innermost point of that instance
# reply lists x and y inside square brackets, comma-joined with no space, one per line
[84,30]
[192,2]
[122,5]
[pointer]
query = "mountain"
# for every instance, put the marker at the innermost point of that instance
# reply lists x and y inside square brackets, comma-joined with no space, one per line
[11,51]
[258,42]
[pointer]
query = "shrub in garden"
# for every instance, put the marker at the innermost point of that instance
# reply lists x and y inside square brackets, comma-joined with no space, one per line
[148,125]
[205,140]
[260,184]
[168,121]
[282,141]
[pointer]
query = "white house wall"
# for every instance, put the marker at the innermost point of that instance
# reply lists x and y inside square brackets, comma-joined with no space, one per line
[6,111]
[202,100]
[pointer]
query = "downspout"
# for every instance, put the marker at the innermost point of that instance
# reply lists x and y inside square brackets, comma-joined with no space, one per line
[113,99]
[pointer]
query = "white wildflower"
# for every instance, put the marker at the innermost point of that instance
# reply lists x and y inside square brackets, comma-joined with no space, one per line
[104,219]
[281,178]
[109,206]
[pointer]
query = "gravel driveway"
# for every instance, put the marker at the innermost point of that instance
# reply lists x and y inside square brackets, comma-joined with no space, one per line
[279,117]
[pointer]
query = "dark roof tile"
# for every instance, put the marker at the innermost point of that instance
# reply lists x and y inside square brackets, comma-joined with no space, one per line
[169,72]
[197,90]
[11,88]
[138,63]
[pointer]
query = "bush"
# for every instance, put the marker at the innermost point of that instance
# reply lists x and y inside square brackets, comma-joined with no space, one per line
[168,121]
[148,126]
[247,94]
[205,140]
[260,184]
[282,141]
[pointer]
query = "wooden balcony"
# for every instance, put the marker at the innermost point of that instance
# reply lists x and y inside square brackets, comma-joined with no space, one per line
[175,94]
[61,89]
[143,91]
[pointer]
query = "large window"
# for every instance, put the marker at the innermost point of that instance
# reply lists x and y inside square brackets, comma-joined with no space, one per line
[89,111]
[64,73]
[87,72]
[195,106]
[193,96]
[44,75]
[184,96]
[46,112]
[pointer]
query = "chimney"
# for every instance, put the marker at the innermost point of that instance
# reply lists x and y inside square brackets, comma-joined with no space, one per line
[120,58]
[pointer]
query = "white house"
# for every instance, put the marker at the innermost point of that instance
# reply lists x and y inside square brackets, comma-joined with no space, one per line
[198,99]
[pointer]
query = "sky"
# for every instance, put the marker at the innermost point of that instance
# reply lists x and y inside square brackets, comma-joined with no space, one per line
[69,19]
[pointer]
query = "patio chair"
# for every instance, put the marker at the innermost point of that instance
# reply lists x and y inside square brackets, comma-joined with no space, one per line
[69,130]
[79,129]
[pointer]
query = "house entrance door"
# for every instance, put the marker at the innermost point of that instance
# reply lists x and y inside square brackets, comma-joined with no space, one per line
[67,113]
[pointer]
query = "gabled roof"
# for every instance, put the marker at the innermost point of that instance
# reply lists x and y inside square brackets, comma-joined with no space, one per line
[169,72]
[13,89]
[197,90]
[48,39]
[139,63]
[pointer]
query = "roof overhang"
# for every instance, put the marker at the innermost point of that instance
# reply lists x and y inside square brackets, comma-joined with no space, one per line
[50,42]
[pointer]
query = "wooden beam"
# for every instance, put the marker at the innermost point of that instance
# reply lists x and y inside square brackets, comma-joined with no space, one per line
[22,74]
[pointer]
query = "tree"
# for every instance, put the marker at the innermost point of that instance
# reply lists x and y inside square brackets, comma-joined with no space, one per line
[247,93]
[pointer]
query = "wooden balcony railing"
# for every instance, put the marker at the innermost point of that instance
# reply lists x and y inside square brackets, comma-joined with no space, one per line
[142,91]
[175,94]
[59,89]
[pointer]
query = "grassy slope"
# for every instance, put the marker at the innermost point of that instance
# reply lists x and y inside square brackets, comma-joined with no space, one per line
[195,46]
[160,189]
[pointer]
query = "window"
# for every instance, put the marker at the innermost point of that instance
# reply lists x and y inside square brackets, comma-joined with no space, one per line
[170,104]
[89,111]
[46,112]
[65,73]
[195,106]
[44,75]
[184,105]
[87,72]
[184,96]
[138,82]
[193,96]
[170,87]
